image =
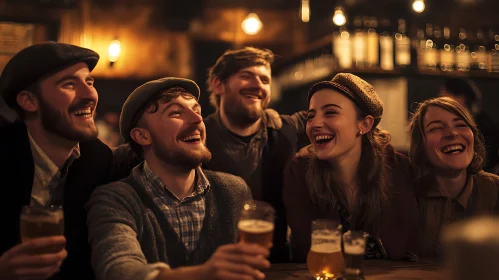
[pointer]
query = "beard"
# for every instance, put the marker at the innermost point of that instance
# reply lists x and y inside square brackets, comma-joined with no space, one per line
[60,123]
[189,159]
[240,113]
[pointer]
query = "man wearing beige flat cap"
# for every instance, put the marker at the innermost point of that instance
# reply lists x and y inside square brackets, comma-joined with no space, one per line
[170,219]
[50,156]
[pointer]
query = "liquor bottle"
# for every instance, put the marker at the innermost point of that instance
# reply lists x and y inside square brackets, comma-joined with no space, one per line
[359,44]
[372,42]
[402,46]
[479,61]
[463,56]
[342,44]
[494,52]
[419,44]
[386,45]
[447,54]
[430,55]
[437,43]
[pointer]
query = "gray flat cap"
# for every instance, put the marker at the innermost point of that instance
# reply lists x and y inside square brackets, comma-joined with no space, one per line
[38,61]
[143,93]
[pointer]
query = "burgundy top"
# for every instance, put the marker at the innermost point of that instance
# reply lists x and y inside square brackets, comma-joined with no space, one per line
[399,229]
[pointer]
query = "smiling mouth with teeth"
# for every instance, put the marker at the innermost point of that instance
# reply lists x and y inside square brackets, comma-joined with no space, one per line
[192,139]
[453,149]
[252,96]
[83,112]
[322,139]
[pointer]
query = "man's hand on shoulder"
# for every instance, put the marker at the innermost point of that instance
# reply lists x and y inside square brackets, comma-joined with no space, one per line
[274,118]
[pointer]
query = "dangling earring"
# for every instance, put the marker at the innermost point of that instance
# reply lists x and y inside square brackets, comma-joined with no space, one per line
[360,132]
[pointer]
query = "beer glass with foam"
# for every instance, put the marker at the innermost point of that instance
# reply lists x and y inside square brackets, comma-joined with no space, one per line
[354,246]
[256,224]
[39,221]
[325,259]
[471,249]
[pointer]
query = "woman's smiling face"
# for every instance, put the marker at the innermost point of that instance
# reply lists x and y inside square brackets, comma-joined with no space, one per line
[333,125]
[449,142]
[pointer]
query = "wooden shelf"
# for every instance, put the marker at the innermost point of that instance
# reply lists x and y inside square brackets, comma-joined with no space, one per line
[469,74]
[324,45]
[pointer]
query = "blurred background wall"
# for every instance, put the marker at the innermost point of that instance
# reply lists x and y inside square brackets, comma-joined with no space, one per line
[404,52]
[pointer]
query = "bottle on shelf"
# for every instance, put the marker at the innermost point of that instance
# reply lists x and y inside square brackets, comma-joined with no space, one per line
[419,44]
[386,46]
[447,54]
[372,39]
[430,59]
[463,57]
[479,61]
[402,46]
[342,48]
[493,51]
[437,43]
[359,44]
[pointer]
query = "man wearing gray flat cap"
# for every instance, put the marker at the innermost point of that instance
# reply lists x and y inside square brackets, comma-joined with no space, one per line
[170,219]
[50,156]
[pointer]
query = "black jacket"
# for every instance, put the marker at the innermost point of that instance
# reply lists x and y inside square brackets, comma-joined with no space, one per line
[91,169]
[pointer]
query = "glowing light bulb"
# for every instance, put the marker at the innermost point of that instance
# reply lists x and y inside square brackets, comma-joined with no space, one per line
[339,17]
[251,24]
[114,50]
[418,6]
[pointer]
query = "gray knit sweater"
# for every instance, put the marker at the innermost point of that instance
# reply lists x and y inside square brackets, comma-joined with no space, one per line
[128,233]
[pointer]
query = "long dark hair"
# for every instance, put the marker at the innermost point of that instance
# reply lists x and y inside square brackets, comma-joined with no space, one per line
[373,193]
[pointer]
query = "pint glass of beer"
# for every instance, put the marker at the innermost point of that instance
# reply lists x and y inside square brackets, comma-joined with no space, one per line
[354,246]
[471,249]
[41,221]
[325,259]
[256,224]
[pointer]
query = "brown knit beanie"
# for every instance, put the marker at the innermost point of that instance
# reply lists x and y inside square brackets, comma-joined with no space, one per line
[361,92]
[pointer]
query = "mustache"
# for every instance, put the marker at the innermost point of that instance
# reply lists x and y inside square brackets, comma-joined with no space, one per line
[83,103]
[192,129]
[251,90]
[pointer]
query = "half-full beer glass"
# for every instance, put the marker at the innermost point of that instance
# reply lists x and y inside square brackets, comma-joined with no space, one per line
[325,259]
[256,224]
[354,246]
[41,221]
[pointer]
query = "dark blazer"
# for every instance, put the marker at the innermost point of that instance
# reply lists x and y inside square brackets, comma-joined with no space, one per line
[91,169]
[398,229]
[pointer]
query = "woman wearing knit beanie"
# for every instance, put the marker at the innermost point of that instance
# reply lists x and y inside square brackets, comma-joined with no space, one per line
[350,173]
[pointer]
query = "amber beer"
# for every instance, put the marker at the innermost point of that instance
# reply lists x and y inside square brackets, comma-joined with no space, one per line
[354,260]
[354,246]
[325,260]
[256,224]
[256,231]
[471,249]
[41,222]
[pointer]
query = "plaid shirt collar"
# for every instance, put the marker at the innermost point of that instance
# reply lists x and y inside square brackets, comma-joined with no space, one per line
[201,186]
